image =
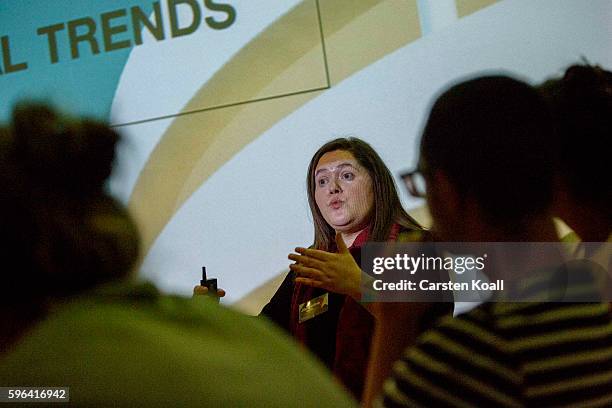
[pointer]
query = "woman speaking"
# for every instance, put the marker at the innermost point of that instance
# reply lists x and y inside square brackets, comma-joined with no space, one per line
[353,200]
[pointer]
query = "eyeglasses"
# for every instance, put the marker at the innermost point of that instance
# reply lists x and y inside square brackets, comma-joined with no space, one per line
[415,183]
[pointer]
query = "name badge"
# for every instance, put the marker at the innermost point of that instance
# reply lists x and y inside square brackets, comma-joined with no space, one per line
[313,307]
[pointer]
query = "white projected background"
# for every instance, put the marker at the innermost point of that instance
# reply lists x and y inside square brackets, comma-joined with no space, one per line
[244,220]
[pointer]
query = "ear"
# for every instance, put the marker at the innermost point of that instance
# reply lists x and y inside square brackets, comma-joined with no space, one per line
[445,206]
[444,193]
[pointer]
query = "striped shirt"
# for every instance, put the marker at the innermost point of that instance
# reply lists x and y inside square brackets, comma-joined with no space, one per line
[510,355]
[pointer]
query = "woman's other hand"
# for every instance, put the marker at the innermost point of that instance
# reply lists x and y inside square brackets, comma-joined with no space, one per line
[200,290]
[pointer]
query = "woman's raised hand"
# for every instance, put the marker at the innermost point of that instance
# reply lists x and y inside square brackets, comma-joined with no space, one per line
[335,272]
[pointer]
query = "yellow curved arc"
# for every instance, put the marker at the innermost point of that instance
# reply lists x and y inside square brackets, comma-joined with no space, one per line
[467,7]
[357,33]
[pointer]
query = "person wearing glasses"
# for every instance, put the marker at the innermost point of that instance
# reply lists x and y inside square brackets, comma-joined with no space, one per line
[353,200]
[488,164]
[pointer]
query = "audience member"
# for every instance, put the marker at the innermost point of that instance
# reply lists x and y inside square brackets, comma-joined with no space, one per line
[581,104]
[71,317]
[487,159]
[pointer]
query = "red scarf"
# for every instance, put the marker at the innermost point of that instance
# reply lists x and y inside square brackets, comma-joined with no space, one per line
[354,330]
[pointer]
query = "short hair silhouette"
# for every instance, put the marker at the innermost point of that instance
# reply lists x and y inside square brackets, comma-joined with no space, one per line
[581,104]
[491,136]
[60,231]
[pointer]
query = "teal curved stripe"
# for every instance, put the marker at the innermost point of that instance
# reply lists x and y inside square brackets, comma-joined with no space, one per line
[84,86]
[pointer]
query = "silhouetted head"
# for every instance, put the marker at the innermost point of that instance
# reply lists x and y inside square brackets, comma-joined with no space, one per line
[581,104]
[60,232]
[486,145]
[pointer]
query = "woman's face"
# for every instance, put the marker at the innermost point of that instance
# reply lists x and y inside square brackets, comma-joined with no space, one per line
[343,191]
